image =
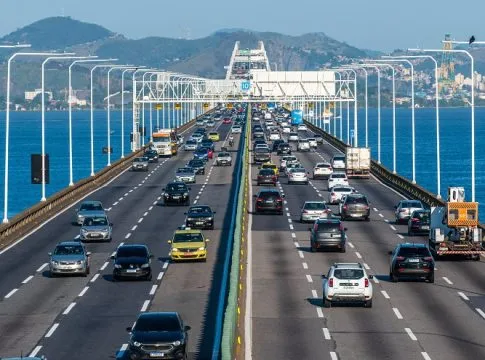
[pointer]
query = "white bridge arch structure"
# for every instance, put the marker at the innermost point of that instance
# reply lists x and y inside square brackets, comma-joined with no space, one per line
[185,96]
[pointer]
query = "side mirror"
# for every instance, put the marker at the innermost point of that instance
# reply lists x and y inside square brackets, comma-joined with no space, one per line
[129,329]
[395,206]
[389,252]
[163,189]
[88,253]
[345,229]
[207,240]
[113,257]
[50,254]
[371,276]
[187,328]
[185,213]
[214,212]
[110,224]
[189,189]
[169,241]
[283,196]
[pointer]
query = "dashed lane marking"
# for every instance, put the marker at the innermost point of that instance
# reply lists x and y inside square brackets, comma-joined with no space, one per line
[146,213]
[300,253]
[153,289]
[105,265]
[146,303]
[367,267]
[109,209]
[115,203]
[333,355]
[305,265]
[120,199]
[463,296]
[447,280]
[376,280]
[425,355]
[134,228]
[385,294]
[392,227]
[293,235]
[150,208]
[291,227]
[381,215]
[160,276]
[35,351]
[69,308]
[296,244]
[326,334]
[319,312]
[400,236]
[83,291]
[288,214]
[480,311]
[127,236]
[314,294]
[375,209]
[11,293]
[51,330]
[165,265]
[309,278]
[397,313]
[42,267]
[351,245]
[140,220]
[411,335]
[28,279]
[358,255]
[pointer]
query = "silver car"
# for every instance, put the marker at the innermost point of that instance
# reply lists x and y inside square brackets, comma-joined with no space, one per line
[223,158]
[69,257]
[405,208]
[297,175]
[88,208]
[140,164]
[313,210]
[96,228]
[190,145]
[185,174]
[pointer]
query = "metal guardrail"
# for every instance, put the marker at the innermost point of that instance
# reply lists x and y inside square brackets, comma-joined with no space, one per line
[29,219]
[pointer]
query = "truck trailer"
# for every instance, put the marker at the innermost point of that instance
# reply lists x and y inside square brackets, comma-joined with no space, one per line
[357,162]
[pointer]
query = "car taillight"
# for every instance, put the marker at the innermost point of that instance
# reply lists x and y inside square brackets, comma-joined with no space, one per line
[344,207]
[415,220]
[400,258]
[333,194]
[330,282]
[366,282]
[428,258]
[274,177]
[279,200]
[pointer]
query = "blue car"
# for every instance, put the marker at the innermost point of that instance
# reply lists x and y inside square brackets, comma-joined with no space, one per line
[201,154]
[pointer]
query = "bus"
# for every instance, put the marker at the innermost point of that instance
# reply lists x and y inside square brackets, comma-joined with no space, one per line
[296,117]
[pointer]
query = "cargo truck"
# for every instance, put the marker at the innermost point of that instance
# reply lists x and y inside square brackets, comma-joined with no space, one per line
[357,162]
[454,228]
[165,141]
[296,117]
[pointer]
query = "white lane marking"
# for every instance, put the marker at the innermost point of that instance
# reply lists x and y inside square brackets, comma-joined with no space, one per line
[400,236]
[121,351]
[480,311]
[11,293]
[300,253]
[131,190]
[145,305]
[109,209]
[289,220]
[140,184]
[197,197]
[358,255]
[288,214]
[305,265]
[333,355]
[165,265]
[385,294]
[140,220]
[309,278]
[287,210]
[326,334]
[375,209]
[195,201]
[128,236]
[367,267]
[410,333]
[291,227]
[463,296]
[134,228]
[351,245]
[447,280]
[160,276]
[42,267]
[376,280]
[314,294]
[150,208]
[146,213]
[77,237]
[397,313]
[296,244]
[126,194]
[158,198]
[115,203]
[386,221]
[285,202]
[83,291]
[69,308]
[51,330]
[28,279]
[95,277]
[154,203]
[104,265]
[425,355]
[35,351]
[392,227]
[381,215]
[319,312]
[153,289]
[293,235]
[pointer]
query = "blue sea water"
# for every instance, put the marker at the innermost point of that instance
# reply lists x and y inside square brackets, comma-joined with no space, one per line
[25,139]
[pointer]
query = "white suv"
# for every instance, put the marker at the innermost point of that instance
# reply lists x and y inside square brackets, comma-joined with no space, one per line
[347,282]
[337,179]
[338,162]
[303,145]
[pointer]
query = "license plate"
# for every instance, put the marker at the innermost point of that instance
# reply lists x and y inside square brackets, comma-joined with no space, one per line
[200,223]
[176,197]
[355,215]
[413,260]
[425,227]
[157,354]
[131,270]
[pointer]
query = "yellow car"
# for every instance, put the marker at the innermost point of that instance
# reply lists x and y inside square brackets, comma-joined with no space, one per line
[188,244]
[214,136]
[272,167]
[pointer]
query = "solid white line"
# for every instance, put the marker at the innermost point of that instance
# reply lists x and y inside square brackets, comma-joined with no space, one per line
[410,333]
[42,267]
[392,227]
[400,236]
[381,215]
[35,351]
[104,265]
[326,334]
[351,245]
[11,293]
[52,329]
[153,289]
[333,355]
[165,265]
[140,220]
[319,312]
[314,294]
[425,355]
[300,253]
[145,305]
[160,276]
[463,296]
[305,265]
[146,213]
[95,277]
[385,294]
[127,236]
[367,267]
[447,280]
[83,291]
[358,255]
[480,311]
[309,278]
[69,308]
[397,313]
[134,228]
[28,279]
[291,227]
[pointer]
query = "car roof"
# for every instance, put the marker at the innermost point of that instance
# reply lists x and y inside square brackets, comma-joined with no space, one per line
[412,245]
[70,243]
[158,314]
[347,266]
[95,202]
[133,246]
[191,231]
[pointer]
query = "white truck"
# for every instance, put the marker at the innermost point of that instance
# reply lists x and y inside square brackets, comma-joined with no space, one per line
[357,162]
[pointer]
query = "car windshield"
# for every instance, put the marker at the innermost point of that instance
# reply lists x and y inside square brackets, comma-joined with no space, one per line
[413,252]
[191,142]
[338,176]
[348,274]
[266,172]
[411,204]
[311,139]
[132,251]
[188,237]
[261,150]
[329,227]
[269,166]
[176,187]
[196,163]
[214,134]
[223,154]
[95,221]
[356,200]
[315,206]
[185,170]
[200,210]
[158,323]
[91,207]
[142,159]
[68,250]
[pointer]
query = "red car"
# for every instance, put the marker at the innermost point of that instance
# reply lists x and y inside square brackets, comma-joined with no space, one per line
[226,121]
[210,152]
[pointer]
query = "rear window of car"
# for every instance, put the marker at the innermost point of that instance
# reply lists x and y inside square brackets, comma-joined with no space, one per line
[411,204]
[267,194]
[324,166]
[339,158]
[338,176]
[356,200]
[266,172]
[261,150]
[329,227]
[315,206]
[175,187]
[413,251]
[348,274]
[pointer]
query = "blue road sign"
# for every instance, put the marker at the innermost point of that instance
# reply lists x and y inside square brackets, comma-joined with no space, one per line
[245,85]
[351,132]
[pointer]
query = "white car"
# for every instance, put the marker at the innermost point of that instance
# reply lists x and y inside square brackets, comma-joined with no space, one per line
[337,193]
[347,282]
[337,179]
[293,136]
[313,143]
[338,162]
[190,145]
[236,129]
[405,208]
[288,159]
[284,123]
[303,145]
[197,137]
[297,175]
[286,129]
[322,170]
[313,210]
[302,127]
[275,136]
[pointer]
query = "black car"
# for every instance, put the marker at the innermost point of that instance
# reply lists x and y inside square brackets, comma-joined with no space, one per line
[277,143]
[258,134]
[176,192]
[418,223]
[207,143]
[269,200]
[284,149]
[158,335]
[152,155]
[261,155]
[200,217]
[197,165]
[327,233]
[132,261]
[411,261]
[355,206]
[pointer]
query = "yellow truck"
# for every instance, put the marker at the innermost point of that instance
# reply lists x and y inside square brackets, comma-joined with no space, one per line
[165,142]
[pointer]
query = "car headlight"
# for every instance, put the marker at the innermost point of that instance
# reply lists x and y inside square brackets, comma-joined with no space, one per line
[210,219]
[186,194]
[117,266]
[176,343]
[84,231]
[80,262]
[144,266]
[53,262]
[190,219]
[175,249]
[135,343]
[202,248]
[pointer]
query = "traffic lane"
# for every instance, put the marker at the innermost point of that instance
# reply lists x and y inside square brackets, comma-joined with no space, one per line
[373,333]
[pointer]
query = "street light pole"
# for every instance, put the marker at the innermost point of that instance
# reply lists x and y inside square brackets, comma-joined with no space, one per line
[378,110]
[366,102]
[123,110]
[135,130]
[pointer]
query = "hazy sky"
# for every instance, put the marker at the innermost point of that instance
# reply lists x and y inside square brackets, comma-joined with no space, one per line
[371,24]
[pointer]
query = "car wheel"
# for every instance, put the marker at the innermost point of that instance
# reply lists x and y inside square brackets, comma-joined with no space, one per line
[367,218]
[393,277]
[342,218]
[327,303]
[114,278]
[52,275]
[88,270]
[431,278]
[368,303]
[84,274]
[410,232]
[313,248]
[211,227]
[149,277]
[301,220]
[343,249]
